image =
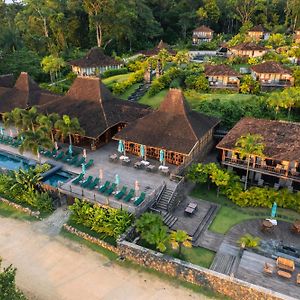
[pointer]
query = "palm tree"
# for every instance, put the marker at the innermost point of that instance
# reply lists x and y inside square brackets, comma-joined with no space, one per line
[180,238]
[13,118]
[29,118]
[275,100]
[248,145]
[249,241]
[48,123]
[32,140]
[26,180]
[68,127]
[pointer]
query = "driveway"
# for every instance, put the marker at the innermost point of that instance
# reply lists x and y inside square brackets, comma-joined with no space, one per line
[51,267]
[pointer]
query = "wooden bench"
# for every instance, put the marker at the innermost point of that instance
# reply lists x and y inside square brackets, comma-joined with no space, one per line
[268,269]
[284,274]
[285,264]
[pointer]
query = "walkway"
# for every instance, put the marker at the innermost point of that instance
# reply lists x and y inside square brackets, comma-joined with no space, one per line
[52,267]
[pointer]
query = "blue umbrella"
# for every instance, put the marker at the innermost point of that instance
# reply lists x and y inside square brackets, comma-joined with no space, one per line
[83,169]
[142,150]
[161,156]
[117,180]
[70,149]
[274,210]
[121,146]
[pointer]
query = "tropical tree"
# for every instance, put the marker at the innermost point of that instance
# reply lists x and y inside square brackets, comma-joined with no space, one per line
[27,180]
[52,64]
[48,122]
[248,145]
[198,173]
[159,237]
[275,100]
[249,241]
[290,98]
[182,57]
[29,118]
[178,239]
[249,85]
[13,118]
[68,127]
[33,140]
[220,178]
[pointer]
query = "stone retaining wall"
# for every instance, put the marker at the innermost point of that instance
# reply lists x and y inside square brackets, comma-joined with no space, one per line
[21,208]
[91,239]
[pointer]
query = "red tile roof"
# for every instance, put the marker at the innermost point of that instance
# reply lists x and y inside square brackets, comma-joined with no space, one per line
[271,67]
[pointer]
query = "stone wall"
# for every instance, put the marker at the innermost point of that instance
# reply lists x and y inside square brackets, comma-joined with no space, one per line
[223,284]
[21,208]
[90,238]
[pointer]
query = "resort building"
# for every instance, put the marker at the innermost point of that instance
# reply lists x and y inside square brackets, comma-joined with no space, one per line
[25,93]
[280,166]
[7,80]
[222,76]
[258,32]
[272,74]
[182,134]
[100,114]
[94,63]
[202,34]
[161,45]
[297,36]
[248,50]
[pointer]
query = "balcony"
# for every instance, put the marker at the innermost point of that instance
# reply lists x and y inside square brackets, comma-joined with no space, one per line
[277,171]
[221,85]
[273,83]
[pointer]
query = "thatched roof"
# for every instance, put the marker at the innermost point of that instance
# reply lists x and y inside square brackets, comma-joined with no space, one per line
[220,70]
[173,126]
[258,28]
[161,45]
[271,67]
[7,80]
[95,58]
[249,47]
[281,139]
[93,104]
[203,28]
[25,93]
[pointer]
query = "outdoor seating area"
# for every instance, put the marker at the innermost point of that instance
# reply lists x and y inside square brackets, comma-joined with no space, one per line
[191,208]
[8,140]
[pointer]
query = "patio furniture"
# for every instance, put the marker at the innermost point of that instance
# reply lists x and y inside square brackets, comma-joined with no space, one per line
[129,196]
[59,156]
[73,160]
[284,274]
[268,269]
[296,227]
[193,205]
[126,162]
[113,158]
[89,164]
[298,278]
[79,162]
[111,189]
[77,180]
[267,226]
[145,163]
[123,157]
[120,194]
[138,165]
[140,199]
[285,264]
[191,208]
[93,184]
[87,182]
[104,186]
[151,168]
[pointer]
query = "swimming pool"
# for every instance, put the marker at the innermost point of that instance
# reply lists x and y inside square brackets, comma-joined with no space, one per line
[59,176]
[12,162]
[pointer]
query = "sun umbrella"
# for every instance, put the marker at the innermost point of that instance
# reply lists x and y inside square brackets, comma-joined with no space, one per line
[55,146]
[142,151]
[121,148]
[70,149]
[162,156]
[274,210]
[101,174]
[136,188]
[83,170]
[10,132]
[117,181]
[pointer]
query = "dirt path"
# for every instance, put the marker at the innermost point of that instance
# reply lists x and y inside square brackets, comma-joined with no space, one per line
[51,267]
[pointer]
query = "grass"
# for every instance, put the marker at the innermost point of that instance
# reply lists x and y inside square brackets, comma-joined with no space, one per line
[230,214]
[130,91]
[10,212]
[113,79]
[155,100]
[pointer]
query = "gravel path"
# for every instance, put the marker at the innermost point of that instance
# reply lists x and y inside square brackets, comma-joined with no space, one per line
[51,267]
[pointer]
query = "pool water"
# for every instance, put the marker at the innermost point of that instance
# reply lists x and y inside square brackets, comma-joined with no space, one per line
[11,162]
[59,176]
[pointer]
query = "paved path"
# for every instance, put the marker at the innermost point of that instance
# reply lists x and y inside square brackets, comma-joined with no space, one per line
[52,267]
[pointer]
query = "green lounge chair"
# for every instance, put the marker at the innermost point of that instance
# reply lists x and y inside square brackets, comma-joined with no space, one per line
[104,187]
[89,164]
[79,162]
[111,189]
[121,193]
[129,196]
[59,156]
[78,179]
[66,158]
[47,153]
[140,199]
[94,184]
[73,160]
[87,182]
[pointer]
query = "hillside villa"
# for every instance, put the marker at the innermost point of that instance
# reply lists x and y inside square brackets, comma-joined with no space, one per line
[248,50]
[258,32]
[222,76]
[272,74]
[280,165]
[155,51]
[202,34]
[94,63]
[182,134]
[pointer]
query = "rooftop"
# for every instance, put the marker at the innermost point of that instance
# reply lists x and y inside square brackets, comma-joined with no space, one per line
[203,28]
[221,70]
[281,139]
[271,67]
[7,80]
[249,46]
[258,28]
[161,45]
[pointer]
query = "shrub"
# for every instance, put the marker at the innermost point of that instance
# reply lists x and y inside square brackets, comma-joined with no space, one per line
[249,85]
[114,72]
[249,241]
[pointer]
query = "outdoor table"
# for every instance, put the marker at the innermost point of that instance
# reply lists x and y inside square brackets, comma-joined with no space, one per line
[163,168]
[284,274]
[189,210]
[126,161]
[165,171]
[113,157]
[193,205]
[296,226]
[267,225]
[145,163]
[138,165]
[123,157]
[285,264]
[150,168]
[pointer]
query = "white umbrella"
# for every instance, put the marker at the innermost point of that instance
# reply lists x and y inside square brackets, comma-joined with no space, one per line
[101,174]
[136,188]
[55,146]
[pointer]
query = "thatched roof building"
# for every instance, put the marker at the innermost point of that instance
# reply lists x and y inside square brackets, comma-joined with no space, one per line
[220,70]
[25,93]
[7,80]
[248,49]
[174,127]
[155,51]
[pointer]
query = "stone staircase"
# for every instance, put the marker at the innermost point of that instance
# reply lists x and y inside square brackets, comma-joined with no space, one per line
[162,203]
[139,92]
[169,220]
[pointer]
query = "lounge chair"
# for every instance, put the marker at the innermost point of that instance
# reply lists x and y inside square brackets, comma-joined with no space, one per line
[140,199]
[89,164]
[104,187]
[129,196]
[73,160]
[94,184]
[78,179]
[110,190]
[87,182]
[121,193]
[79,162]
[59,156]
[66,158]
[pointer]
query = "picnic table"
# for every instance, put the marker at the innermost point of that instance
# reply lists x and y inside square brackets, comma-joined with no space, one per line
[191,208]
[151,168]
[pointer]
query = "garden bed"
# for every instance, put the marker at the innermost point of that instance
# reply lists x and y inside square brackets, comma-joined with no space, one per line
[9,211]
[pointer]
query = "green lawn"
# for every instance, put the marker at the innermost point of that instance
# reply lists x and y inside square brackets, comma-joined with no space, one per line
[118,78]
[230,214]
[10,212]
[130,91]
[155,100]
